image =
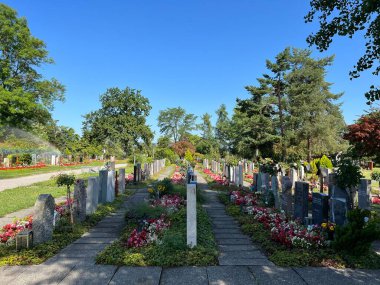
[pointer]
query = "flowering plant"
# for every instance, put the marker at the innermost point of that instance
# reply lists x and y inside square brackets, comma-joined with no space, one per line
[171,202]
[9,231]
[149,233]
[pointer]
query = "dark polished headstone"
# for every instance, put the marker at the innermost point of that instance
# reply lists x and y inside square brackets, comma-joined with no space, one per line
[320,208]
[301,196]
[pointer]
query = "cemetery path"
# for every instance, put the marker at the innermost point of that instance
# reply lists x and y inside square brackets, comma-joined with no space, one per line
[75,263]
[31,179]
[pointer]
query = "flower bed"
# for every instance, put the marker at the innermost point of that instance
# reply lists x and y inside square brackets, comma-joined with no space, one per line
[216,177]
[9,231]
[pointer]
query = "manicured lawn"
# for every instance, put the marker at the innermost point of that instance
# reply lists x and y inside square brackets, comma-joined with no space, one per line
[40,253]
[375,184]
[20,198]
[7,174]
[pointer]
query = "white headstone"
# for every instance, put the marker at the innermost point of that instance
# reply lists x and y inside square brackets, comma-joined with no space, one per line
[53,159]
[6,162]
[191,215]
[111,186]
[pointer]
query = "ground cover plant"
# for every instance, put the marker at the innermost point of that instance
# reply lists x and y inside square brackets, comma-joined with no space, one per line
[61,238]
[156,234]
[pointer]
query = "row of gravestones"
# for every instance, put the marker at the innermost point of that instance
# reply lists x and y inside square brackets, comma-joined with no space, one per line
[99,190]
[216,166]
[149,169]
[325,207]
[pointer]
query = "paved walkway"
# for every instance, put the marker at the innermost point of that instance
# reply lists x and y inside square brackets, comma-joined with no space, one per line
[31,179]
[241,263]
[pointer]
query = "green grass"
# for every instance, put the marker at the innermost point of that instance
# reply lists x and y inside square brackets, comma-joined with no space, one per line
[40,253]
[375,184]
[7,174]
[24,197]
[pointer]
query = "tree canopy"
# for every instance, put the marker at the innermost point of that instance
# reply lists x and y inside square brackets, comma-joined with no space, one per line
[176,123]
[121,121]
[346,18]
[25,96]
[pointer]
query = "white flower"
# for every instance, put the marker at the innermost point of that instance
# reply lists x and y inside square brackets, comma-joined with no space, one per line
[366,219]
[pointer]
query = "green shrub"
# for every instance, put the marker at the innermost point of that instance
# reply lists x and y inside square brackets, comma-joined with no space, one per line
[144,211]
[25,158]
[375,176]
[325,162]
[356,237]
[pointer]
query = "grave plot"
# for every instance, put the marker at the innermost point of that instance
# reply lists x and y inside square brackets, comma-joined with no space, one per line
[157,231]
[304,223]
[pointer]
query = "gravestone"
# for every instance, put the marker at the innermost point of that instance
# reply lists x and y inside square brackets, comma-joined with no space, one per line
[339,210]
[103,178]
[286,195]
[302,173]
[34,159]
[255,178]
[43,219]
[331,183]
[266,182]
[6,162]
[241,175]
[135,173]
[293,176]
[232,174]
[80,201]
[113,165]
[139,172]
[52,160]
[320,208]
[237,176]
[274,189]
[92,195]
[110,186]
[122,179]
[364,194]
[259,182]
[191,214]
[301,203]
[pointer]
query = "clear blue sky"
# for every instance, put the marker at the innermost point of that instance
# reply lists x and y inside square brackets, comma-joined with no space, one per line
[196,54]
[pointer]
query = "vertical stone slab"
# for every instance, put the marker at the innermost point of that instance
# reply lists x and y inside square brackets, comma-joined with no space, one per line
[364,194]
[191,215]
[92,195]
[293,176]
[52,160]
[274,190]
[331,183]
[259,181]
[301,196]
[255,179]
[320,208]
[80,201]
[241,174]
[110,186]
[139,172]
[34,159]
[286,195]
[122,180]
[339,211]
[6,162]
[113,165]
[266,181]
[302,173]
[103,178]
[43,219]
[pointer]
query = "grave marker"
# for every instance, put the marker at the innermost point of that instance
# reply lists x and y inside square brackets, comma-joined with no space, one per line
[80,201]
[286,195]
[364,194]
[320,208]
[43,219]
[191,214]
[103,178]
[339,210]
[110,186]
[122,179]
[92,195]
[301,203]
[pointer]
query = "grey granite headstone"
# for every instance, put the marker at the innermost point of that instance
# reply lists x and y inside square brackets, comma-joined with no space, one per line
[103,178]
[274,189]
[293,176]
[92,195]
[339,210]
[301,196]
[259,181]
[266,180]
[364,194]
[122,179]
[110,186]
[320,208]
[286,195]
[80,201]
[241,174]
[302,172]
[43,219]
[34,159]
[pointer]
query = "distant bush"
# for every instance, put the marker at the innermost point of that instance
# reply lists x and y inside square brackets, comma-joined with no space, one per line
[375,176]
[25,158]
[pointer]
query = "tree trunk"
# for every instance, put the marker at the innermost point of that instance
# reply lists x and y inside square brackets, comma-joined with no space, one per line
[308,149]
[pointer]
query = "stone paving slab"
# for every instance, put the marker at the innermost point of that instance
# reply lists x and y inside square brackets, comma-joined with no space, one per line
[242,254]
[227,231]
[274,275]
[229,235]
[95,240]
[104,230]
[137,276]
[230,275]
[43,274]
[229,247]
[234,241]
[64,261]
[224,222]
[91,275]
[9,273]
[67,253]
[325,275]
[225,226]
[101,234]
[184,276]
[244,261]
